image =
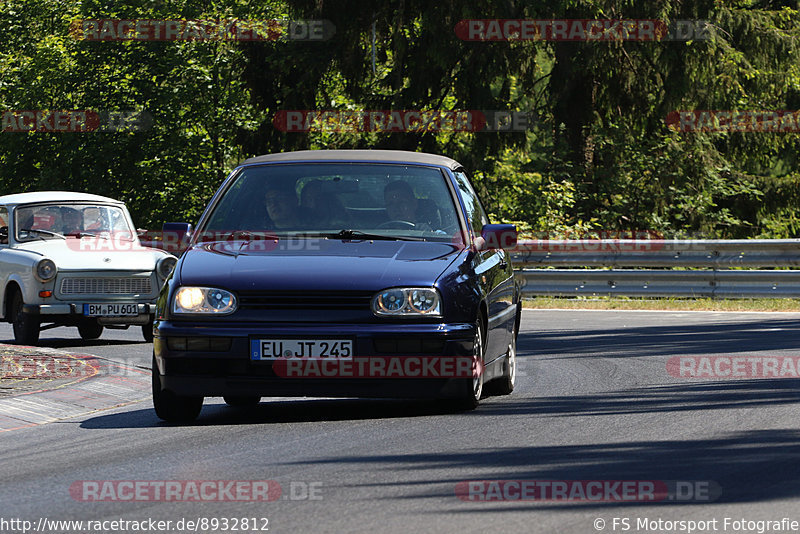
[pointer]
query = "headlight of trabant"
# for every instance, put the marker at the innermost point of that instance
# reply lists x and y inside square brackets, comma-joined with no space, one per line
[205,300]
[407,302]
[44,270]
[165,265]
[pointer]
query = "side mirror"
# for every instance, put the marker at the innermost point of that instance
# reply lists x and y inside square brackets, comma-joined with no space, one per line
[497,236]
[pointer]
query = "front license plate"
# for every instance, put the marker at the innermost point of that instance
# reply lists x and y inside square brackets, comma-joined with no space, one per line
[275,349]
[110,310]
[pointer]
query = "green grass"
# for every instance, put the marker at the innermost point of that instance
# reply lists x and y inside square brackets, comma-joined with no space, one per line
[627,303]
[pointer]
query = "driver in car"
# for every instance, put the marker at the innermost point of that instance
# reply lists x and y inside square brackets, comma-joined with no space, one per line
[403,205]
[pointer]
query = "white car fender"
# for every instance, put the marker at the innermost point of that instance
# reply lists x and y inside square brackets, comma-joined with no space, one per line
[18,269]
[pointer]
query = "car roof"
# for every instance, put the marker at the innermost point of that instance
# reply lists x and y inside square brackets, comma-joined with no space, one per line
[382,156]
[53,196]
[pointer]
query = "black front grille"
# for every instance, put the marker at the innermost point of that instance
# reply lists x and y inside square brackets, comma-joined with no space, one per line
[206,367]
[219,368]
[313,300]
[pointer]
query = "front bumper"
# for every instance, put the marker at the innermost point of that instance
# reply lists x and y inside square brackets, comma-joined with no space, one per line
[232,372]
[72,311]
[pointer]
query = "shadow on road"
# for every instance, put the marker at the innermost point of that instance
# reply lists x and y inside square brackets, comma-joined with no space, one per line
[685,397]
[750,466]
[281,411]
[679,340]
[61,343]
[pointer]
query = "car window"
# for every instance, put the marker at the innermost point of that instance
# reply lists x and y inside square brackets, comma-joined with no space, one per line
[392,200]
[55,220]
[475,212]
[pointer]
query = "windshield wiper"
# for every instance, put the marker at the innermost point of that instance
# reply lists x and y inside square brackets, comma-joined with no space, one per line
[45,232]
[80,234]
[358,234]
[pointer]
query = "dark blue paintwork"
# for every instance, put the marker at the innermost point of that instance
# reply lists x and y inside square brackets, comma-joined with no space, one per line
[476,286]
[324,264]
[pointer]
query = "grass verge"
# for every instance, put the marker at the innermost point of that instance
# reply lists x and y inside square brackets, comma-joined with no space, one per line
[623,303]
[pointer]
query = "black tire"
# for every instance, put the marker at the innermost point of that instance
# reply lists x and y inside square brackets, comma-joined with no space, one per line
[171,407]
[90,329]
[241,402]
[473,387]
[505,384]
[26,326]
[147,332]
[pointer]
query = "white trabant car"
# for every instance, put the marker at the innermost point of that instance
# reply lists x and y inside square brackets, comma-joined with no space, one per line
[74,259]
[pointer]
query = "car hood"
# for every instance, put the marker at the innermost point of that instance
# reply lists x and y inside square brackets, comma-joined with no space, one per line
[315,264]
[69,255]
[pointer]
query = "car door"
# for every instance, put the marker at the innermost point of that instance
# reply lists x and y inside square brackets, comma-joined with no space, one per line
[4,271]
[3,225]
[494,274]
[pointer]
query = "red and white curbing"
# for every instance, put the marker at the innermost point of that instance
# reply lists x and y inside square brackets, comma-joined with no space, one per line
[98,384]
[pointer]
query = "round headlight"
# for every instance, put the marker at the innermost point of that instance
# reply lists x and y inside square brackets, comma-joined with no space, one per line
[391,301]
[423,300]
[190,298]
[219,300]
[45,270]
[165,266]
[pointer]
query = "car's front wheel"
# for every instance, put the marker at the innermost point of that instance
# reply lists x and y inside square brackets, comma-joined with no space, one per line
[147,332]
[474,386]
[90,329]
[171,407]
[26,326]
[505,384]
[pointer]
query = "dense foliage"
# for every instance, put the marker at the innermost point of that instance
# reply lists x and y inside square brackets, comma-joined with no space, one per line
[599,157]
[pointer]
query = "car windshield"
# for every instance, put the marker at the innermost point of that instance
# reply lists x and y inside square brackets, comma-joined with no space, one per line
[65,220]
[345,200]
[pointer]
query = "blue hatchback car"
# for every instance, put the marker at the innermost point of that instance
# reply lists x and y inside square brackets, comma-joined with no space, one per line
[339,273]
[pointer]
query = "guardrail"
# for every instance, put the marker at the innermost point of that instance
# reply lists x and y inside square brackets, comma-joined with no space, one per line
[699,268]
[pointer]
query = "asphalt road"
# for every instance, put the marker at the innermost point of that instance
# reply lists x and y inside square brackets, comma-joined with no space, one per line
[594,402]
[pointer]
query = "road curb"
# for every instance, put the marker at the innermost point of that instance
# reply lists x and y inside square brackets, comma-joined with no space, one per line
[71,385]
